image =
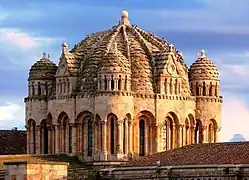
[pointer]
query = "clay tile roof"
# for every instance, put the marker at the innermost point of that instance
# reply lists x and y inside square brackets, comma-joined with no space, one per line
[12,142]
[42,69]
[203,68]
[199,154]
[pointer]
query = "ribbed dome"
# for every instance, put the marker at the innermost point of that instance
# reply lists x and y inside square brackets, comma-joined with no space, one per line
[203,68]
[114,61]
[44,69]
[135,49]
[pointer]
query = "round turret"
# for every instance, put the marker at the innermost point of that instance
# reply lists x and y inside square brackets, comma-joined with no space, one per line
[44,69]
[204,76]
[203,68]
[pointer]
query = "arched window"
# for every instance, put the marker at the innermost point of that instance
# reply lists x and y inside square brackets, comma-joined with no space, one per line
[119,83]
[126,81]
[176,83]
[46,88]
[89,137]
[112,135]
[124,137]
[197,89]
[112,83]
[165,86]
[198,132]
[33,89]
[34,139]
[141,137]
[100,84]
[105,83]
[168,134]
[170,86]
[39,89]
[70,139]
[216,89]
[210,89]
[204,89]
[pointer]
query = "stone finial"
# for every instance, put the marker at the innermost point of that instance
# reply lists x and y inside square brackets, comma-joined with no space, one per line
[124,18]
[202,54]
[64,48]
[171,48]
[43,55]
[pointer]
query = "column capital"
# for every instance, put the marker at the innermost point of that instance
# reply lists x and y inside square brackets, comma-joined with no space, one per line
[38,127]
[103,122]
[218,129]
[120,122]
[56,125]
[130,122]
[204,127]
[27,127]
[73,125]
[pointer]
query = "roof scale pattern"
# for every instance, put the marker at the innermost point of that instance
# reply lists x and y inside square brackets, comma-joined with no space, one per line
[124,48]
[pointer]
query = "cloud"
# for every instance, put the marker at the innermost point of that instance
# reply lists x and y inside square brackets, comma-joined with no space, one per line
[237,138]
[235,118]
[11,115]
[20,48]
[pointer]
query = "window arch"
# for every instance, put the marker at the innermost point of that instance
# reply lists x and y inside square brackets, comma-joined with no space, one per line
[112,135]
[70,139]
[105,80]
[198,132]
[119,82]
[39,89]
[204,89]
[89,137]
[112,83]
[141,137]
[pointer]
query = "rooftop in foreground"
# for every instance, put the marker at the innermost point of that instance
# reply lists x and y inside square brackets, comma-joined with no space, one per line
[199,154]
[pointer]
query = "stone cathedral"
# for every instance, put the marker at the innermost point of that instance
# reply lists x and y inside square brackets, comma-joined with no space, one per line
[119,94]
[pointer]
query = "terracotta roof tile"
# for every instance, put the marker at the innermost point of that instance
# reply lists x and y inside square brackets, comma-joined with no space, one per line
[12,142]
[199,154]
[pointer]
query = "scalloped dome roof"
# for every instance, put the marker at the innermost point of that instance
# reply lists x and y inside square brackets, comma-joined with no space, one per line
[134,51]
[203,68]
[42,69]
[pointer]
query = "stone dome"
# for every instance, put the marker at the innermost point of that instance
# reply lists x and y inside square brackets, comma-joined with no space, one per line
[114,61]
[134,48]
[203,68]
[44,69]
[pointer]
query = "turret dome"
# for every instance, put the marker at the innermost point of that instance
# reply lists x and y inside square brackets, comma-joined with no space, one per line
[203,68]
[43,69]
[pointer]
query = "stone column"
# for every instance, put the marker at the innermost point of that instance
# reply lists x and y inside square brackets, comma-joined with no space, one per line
[109,84]
[28,142]
[130,139]
[120,139]
[157,140]
[57,138]
[217,134]
[74,138]
[192,132]
[96,141]
[162,86]
[183,135]
[115,84]
[174,137]
[126,150]
[151,139]
[38,142]
[49,128]
[103,156]
[204,134]
[178,136]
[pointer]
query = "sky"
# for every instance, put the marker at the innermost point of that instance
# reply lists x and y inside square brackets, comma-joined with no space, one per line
[220,27]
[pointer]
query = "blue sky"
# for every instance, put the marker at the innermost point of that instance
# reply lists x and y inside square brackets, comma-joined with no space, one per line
[220,27]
